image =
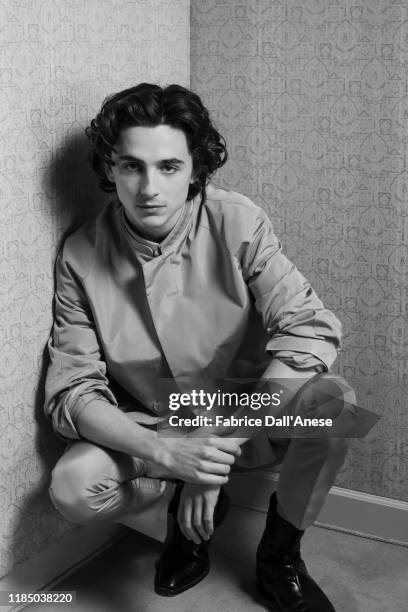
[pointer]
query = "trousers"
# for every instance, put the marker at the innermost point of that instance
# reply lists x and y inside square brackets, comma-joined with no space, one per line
[90,483]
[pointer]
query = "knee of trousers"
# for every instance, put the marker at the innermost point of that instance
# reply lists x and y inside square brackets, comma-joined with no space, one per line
[329,396]
[69,492]
[326,396]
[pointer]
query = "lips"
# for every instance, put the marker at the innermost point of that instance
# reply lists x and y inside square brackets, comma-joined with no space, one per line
[150,206]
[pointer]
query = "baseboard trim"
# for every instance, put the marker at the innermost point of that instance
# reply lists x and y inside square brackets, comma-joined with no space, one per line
[362,514]
[50,566]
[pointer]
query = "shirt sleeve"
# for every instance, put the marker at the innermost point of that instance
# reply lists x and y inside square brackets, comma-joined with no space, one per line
[303,333]
[77,372]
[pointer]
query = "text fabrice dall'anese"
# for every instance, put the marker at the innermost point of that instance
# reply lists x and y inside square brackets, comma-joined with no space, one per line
[207,400]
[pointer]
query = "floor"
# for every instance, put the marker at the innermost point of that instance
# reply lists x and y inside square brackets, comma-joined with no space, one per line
[358,574]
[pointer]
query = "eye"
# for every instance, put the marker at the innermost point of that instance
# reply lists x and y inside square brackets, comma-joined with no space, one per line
[168,169]
[132,167]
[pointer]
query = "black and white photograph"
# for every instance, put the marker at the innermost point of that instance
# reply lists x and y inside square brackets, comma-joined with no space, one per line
[204,300]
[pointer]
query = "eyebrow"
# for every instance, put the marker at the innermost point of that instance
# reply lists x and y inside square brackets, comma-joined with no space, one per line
[170,160]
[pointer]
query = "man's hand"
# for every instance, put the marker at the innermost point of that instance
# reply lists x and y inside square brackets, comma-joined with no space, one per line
[199,460]
[195,514]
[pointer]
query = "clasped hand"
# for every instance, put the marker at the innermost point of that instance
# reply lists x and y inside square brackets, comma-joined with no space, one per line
[200,460]
[195,514]
[203,463]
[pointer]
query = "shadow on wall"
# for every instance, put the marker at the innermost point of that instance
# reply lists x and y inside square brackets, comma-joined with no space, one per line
[71,189]
[71,185]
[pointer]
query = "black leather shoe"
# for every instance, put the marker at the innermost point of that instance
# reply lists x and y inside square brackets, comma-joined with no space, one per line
[183,563]
[282,576]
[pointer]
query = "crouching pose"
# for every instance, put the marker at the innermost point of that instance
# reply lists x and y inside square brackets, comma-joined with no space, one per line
[178,284]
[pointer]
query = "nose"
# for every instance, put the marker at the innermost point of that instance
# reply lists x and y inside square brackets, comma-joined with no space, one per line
[147,186]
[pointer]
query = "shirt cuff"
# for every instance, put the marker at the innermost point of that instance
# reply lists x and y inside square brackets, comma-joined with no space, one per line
[301,361]
[65,417]
[320,350]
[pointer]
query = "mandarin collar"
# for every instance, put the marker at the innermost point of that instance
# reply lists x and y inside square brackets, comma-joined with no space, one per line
[149,248]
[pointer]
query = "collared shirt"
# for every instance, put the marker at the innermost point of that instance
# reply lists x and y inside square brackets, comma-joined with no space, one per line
[216,298]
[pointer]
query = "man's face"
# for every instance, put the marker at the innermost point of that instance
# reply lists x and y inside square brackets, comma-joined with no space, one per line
[152,172]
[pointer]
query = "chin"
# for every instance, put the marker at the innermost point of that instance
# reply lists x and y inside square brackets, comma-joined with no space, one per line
[156,222]
[154,225]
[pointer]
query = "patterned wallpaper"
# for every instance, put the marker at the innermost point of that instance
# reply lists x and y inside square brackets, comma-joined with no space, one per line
[58,60]
[312,99]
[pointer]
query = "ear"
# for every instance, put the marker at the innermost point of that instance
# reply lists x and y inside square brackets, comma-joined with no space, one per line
[109,172]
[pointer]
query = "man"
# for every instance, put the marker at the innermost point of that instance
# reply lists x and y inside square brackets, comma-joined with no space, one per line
[176,285]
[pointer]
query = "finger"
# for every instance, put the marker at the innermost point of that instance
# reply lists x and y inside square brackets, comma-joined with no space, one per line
[221,456]
[198,520]
[226,445]
[212,467]
[208,517]
[184,517]
[205,478]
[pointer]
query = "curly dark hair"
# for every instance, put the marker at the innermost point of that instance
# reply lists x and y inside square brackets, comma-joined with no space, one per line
[149,105]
